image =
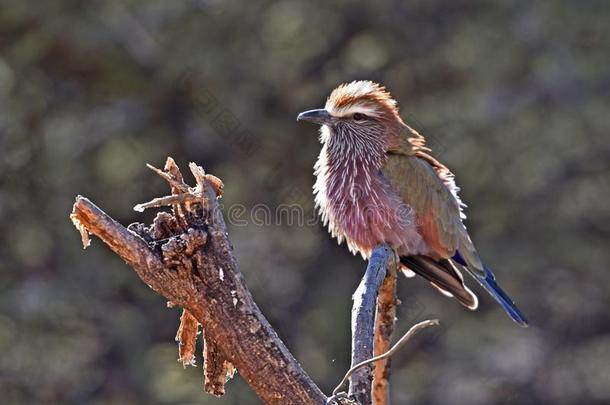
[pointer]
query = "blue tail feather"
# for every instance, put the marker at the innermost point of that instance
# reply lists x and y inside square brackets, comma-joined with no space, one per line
[488,281]
[458,258]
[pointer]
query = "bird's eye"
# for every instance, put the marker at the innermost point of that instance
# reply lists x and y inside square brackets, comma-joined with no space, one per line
[359,117]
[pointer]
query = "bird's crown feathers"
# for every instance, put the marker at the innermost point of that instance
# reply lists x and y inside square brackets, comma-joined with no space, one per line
[362,96]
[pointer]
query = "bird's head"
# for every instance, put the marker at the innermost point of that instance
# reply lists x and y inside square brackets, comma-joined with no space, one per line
[358,110]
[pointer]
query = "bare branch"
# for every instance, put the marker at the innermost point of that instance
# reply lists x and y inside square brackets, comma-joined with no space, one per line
[363,313]
[384,326]
[187,258]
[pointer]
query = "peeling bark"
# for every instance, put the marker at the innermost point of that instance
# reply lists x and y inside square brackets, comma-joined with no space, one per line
[384,327]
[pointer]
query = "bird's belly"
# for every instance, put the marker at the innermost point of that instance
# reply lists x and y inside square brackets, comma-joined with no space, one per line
[372,219]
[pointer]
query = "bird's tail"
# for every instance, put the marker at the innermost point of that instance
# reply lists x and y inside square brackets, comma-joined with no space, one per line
[488,281]
[443,275]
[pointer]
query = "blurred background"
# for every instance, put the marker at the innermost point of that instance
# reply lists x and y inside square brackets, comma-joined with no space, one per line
[513,96]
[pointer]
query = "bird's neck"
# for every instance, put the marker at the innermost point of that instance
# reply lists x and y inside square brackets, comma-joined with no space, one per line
[347,168]
[357,202]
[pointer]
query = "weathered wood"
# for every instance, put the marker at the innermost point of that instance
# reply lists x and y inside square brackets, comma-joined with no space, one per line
[384,326]
[196,270]
[186,337]
[216,368]
[363,315]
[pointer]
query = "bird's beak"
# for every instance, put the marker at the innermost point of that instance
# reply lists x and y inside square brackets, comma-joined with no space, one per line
[320,116]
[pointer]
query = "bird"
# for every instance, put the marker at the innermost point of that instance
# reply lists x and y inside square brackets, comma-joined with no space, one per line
[377,182]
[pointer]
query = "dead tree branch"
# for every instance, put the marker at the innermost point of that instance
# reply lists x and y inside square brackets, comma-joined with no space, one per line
[384,326]
[186,257]
[363,315]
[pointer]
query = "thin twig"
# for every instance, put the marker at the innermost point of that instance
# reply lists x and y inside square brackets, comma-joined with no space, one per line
[177,184]
[404,339]
[169,200]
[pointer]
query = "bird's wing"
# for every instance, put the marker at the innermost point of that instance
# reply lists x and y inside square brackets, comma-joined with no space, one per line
[444,275]
[420,184]
[429,188]
[438,216]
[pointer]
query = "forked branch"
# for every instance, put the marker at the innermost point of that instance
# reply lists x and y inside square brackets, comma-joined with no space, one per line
[187,257]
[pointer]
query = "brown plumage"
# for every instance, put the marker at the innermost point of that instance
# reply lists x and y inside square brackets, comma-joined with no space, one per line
[377,182]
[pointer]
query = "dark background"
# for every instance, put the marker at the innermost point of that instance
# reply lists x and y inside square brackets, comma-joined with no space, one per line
[513,96]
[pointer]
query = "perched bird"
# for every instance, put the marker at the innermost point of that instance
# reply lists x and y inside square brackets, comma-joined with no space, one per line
[376,182]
